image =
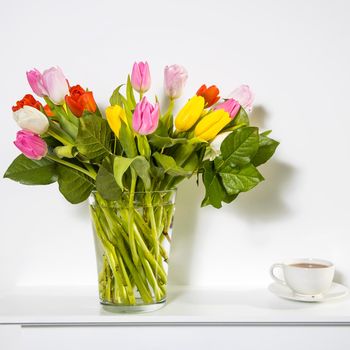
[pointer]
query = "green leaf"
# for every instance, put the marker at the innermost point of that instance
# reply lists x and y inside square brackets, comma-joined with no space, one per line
[169,165]
[127,140]
[267,148]
[94,136]
[165,141]
[74,185]
[143,146]
[116,98]
[105,181]
[240,146]
[32,172]
[215,193]
[240,180]
[139,164]
[241,117]
[130,95]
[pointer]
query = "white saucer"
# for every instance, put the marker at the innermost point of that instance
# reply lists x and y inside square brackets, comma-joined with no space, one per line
[336,291]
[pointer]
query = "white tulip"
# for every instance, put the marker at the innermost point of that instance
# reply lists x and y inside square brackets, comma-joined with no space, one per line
[31,119]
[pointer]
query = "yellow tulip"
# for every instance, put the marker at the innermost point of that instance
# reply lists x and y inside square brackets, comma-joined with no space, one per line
[212,124]
[190,113]
[115,115]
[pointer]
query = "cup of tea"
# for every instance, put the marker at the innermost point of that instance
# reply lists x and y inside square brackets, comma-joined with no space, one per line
[305,276]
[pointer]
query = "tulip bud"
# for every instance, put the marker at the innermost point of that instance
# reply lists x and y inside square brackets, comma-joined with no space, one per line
[115,115]
[31,119]
[231,106]
[145,118]
[55,84]
[35,80]
[190,113]
[175,78]
[31,145]
[27,100]
[141,77]
[210,94]
[212,124]
[80,100]
[244,96]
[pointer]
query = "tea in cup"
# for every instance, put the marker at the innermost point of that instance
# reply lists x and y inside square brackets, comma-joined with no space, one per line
[305,276]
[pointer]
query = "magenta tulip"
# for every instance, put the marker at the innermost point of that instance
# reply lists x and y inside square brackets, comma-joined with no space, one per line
[141,77]
[244,96]
[35,80]
[175,78]
[146,117]
[51,83]
[230,106]
[31,145]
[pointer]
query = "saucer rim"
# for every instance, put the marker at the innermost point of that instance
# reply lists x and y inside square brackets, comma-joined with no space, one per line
[310,299]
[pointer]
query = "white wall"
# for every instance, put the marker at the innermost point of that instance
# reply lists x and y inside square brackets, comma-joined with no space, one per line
[294,54]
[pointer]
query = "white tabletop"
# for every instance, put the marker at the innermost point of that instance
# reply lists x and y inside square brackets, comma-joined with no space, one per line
[79,305]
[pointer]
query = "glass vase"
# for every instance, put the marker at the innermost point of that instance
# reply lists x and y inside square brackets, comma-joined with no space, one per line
[132,239]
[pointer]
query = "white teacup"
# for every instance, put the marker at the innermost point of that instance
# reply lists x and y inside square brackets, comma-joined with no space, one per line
[305,276]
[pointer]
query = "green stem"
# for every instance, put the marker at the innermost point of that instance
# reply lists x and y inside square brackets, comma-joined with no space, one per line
[71,165]
[59,138]
[132,243]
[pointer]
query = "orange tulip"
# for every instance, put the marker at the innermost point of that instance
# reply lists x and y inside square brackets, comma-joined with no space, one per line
[210,94]
[80,100]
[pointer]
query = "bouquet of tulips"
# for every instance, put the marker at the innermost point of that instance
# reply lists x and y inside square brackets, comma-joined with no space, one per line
[130,160]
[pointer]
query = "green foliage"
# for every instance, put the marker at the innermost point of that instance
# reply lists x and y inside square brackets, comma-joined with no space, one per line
[267,148]
[139,164]
[106,184]
[32,172]
[169,165]
[94,137]
[74,185]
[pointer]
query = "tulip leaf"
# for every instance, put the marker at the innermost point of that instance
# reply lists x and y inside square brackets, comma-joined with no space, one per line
[240,180]
[267,148]
[240,146]
[130,95]
[241,117]
[116,98]
[169,165]
[139,164]
[165,141]
[94,136]
[73,184]
[32,172]
[127,141]
[105,181]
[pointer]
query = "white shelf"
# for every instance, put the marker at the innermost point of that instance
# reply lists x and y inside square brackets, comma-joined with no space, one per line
[80,306]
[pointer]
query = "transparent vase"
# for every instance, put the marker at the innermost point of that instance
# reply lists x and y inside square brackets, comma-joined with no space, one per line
[132,239]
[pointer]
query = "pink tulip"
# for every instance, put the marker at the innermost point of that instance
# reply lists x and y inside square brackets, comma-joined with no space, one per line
[175,78]
[146,117]
[35,80]
[51,83]
[31,145]
[230,106]
[141,77]
[244,96]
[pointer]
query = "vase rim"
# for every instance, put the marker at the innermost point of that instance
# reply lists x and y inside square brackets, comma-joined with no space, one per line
[144,192]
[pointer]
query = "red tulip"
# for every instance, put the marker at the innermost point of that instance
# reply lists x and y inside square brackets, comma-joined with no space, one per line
[80,100]
[210,94]
[27,100]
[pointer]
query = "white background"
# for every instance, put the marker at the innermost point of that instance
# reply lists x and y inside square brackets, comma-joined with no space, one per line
[294,54]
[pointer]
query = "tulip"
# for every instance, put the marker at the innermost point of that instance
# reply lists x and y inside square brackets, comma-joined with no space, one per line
[115,115]
[210,94]
[175,78]
[31,119]
[27,100]
[31,145]
[51,83]
[145,118]
[35,80]
[140,77]
[212,124]
[48,111]
[244,96]
[190,113]
[231,106]
[80,100]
